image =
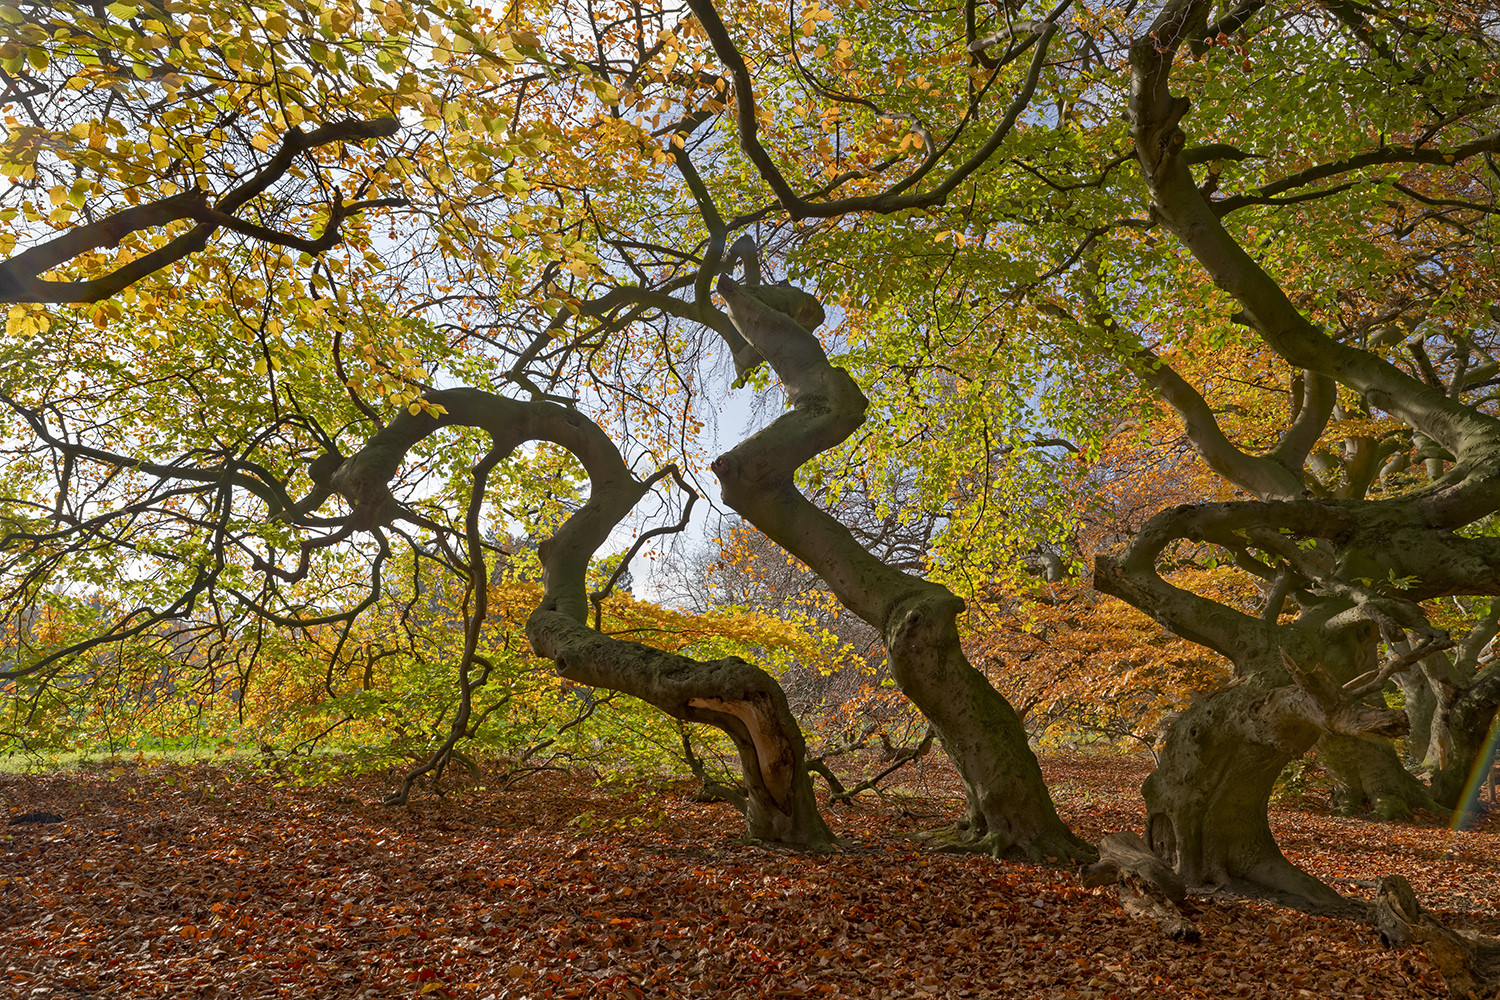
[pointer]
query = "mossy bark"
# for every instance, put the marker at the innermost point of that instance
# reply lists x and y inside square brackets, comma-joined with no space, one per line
[1367,772]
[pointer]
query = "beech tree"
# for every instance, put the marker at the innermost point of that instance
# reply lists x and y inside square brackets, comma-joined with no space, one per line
[168,520]
[1348,572]
[529,317]
[563,232]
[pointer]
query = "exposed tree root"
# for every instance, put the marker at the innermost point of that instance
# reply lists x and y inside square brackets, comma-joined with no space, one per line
[1063,848]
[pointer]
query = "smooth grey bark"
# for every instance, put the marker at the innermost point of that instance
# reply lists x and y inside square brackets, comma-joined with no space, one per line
[1472,727]
[1421,707]
[1207,800]
[1010,811]
[1367,772]
[731,694]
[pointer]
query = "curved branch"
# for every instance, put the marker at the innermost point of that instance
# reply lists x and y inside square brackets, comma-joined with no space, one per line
[1265,476]
[731,694]
[1382,156]
[21,276]
[1470,436]
[894,199]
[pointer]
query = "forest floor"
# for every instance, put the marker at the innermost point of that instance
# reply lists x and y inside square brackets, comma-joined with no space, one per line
[165,881]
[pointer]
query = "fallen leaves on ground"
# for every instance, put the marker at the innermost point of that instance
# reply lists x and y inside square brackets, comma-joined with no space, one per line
[167,882]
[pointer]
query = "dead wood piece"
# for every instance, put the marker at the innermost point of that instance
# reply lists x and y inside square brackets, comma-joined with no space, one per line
[1144,899]
[1149,888]
[1120,853]
[1469,963]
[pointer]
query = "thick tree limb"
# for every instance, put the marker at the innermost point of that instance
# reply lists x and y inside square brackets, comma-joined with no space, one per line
[731,694]
[1265,476]
[1155,114]
[1010,809]
[21,276]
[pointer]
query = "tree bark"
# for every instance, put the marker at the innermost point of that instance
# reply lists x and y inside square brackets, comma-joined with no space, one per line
[742,700]
[1421,708]
[1472,725]
[1148,887]
[1010,811]
[1207,800]
[1368,772]
[738,698]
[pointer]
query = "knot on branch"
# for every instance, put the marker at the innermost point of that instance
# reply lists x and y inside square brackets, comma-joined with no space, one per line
[799,305]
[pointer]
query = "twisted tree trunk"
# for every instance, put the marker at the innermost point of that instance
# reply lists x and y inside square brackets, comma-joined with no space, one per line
[1421,707]
[1010,811]
[1368,772]
[738,698]
[1208,798]
[1207,801]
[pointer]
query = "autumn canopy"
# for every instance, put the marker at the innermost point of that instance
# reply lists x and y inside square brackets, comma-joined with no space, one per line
[1129,368]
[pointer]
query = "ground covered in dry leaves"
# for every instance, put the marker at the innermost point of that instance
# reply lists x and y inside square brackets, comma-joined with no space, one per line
[167,882]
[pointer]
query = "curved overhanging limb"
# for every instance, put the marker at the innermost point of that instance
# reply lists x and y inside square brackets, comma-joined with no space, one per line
[1370,561]
[730,694]
[1010,811]
[1155,113]
[1207,800]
